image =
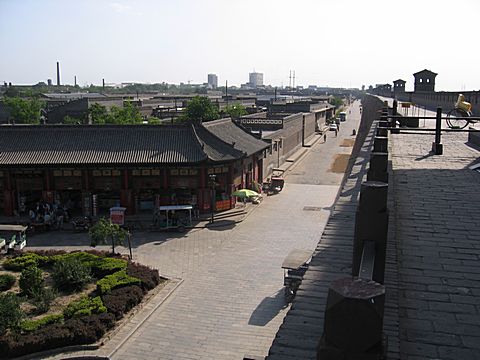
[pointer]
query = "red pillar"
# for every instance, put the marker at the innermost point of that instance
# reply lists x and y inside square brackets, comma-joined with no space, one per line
[126,194]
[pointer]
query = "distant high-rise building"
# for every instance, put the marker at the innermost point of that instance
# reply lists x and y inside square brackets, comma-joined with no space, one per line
[213,81]
[256,79]
[49,82]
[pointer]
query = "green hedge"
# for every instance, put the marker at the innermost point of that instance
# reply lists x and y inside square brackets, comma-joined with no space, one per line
[116,280]
[21,262]
[100,266]
[107,266]
[83,257]
[6,281]
[84,306]
[32,325]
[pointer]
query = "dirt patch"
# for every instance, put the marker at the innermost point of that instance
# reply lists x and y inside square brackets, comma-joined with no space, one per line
[348,143]
[340,163]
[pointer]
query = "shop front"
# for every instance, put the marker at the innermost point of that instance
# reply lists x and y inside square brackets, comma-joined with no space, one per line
[68,190]
[219,180]
[147,184]
[106,191]
[30,187]
[183,184]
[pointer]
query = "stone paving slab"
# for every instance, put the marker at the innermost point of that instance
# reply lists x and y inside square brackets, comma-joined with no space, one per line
[437,206]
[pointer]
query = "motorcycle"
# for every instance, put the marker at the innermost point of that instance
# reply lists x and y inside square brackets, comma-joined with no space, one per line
[82,223]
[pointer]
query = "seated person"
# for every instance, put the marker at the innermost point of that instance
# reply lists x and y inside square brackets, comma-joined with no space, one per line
[47,218]
[462,104]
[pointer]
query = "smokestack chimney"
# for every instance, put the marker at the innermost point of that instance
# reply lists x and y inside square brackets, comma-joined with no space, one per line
[103,84]
[58,73]
[75,80]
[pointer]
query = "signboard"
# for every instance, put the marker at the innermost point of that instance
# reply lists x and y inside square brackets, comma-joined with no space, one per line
[117,215]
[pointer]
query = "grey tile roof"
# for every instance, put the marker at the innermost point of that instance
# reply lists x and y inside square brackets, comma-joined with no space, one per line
[48,145]
[215,148]
[230,133]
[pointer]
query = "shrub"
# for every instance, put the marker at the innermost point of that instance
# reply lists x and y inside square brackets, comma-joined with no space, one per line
[121,300]
[83,330]
[84,306]
[69,273]
[106,266]
[43,298]
[6,281]
[10,312]
[149,277]
[23,261]
[31,280]
[116,280]
[83,257]
[88,329]
[32,325]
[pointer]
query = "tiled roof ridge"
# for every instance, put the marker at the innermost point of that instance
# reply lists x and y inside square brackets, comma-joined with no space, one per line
[93,126]
[199,141]
[223,141]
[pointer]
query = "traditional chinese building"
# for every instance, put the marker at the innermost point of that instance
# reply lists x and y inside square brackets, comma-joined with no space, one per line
[91,168]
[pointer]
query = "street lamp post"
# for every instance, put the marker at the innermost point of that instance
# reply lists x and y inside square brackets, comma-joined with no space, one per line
[212,184]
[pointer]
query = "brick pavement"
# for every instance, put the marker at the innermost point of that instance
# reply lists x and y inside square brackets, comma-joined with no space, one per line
[436,212]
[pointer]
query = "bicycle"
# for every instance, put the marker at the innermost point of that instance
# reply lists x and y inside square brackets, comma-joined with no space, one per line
[458,117]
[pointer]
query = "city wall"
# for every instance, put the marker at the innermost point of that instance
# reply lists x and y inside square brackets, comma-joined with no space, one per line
[443,99]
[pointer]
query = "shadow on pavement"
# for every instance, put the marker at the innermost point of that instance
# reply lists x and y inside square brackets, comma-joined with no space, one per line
[268,309]
[221,225]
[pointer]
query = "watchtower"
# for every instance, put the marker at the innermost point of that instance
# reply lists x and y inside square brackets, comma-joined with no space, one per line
[424,81]
[399,86]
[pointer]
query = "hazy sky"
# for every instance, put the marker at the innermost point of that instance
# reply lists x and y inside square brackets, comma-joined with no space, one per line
[344,43]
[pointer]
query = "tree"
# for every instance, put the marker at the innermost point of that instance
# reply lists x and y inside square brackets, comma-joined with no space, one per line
[201,109]
[128,114]
[336,101]
[104,230]
[24,111]
[98,114]
[235,110]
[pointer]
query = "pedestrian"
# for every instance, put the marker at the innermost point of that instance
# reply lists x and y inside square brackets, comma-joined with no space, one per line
[60,214]
[196,212]
[324,138]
